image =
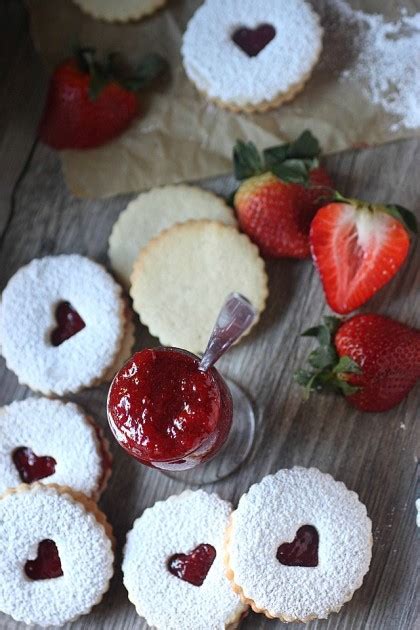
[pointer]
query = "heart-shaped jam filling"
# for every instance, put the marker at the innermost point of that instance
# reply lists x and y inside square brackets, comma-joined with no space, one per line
[192,567]
[302,551]
[31,467]
[69,323]
[47,564]
[253,40]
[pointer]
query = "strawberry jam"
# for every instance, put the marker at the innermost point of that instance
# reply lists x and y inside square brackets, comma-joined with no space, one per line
[31,467]
[47,565]
[166,412]
[253,41]
[69,323]
[192,567]
[302,551]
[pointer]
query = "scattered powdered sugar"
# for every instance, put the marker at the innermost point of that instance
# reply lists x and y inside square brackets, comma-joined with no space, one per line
[382,56]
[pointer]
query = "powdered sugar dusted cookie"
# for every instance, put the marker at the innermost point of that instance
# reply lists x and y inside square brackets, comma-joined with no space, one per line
[55,555]
[126,348]
[121,11]
[61,323]
[299,545]
[156,210]
[251,56]
[52,441]
[173,564]
[182,278]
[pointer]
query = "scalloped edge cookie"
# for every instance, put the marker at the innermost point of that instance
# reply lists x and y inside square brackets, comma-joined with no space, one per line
[230,573]
[151,212]
[134,10]
[172,261]
[91,509]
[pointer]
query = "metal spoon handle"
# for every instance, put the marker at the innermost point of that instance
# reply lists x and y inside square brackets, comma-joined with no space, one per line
[236,316]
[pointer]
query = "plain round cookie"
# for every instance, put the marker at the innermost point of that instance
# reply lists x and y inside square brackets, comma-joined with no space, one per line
[179,525]
[27,318]
[269,515]
[182,278]
[120,11]
[32,514]
[54,429]
[225,74]
[154,211]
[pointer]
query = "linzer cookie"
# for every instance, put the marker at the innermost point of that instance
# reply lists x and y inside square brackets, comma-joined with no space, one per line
[126,347]
[156,210]
[181,279]
[56,555]
[173,564]
[61,323]
[121,11]
[298,545]
[53,442]
[251,56]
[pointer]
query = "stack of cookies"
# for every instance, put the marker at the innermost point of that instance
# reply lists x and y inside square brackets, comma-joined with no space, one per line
[56,546]
[179,252]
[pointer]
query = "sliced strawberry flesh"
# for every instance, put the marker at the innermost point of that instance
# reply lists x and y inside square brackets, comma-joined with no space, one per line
[357,251]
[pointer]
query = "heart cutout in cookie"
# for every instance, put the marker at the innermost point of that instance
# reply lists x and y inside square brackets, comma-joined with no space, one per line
[31,467]
[47,564]
[302,551]
[192,567]
[69,323]
[253,40]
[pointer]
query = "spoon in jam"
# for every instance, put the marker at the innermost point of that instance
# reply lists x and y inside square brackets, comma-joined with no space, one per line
[236,316]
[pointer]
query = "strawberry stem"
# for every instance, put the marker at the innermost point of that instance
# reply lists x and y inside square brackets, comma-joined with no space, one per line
[291,162]
[149,68]
[327,371]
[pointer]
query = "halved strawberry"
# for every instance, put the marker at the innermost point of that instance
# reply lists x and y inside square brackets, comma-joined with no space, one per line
[357,248]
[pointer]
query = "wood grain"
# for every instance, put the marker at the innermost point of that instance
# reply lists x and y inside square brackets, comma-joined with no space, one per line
[374,454]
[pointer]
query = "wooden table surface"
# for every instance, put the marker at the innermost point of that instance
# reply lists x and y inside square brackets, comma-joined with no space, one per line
[374,454]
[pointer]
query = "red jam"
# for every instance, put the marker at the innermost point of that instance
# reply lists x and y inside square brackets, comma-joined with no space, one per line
[193,567]
[47,565]
[31,467]
[252,41]
[167,413]
[69,323]
[302,551]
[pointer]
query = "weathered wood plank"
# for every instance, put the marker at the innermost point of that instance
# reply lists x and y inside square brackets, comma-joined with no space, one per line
[22,88]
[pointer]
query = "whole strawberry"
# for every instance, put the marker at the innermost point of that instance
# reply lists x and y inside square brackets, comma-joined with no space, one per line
[357,248]
[373,360]
[281,191]
[89,103]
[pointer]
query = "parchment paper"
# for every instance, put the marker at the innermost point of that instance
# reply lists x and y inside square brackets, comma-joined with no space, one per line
[182,137]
